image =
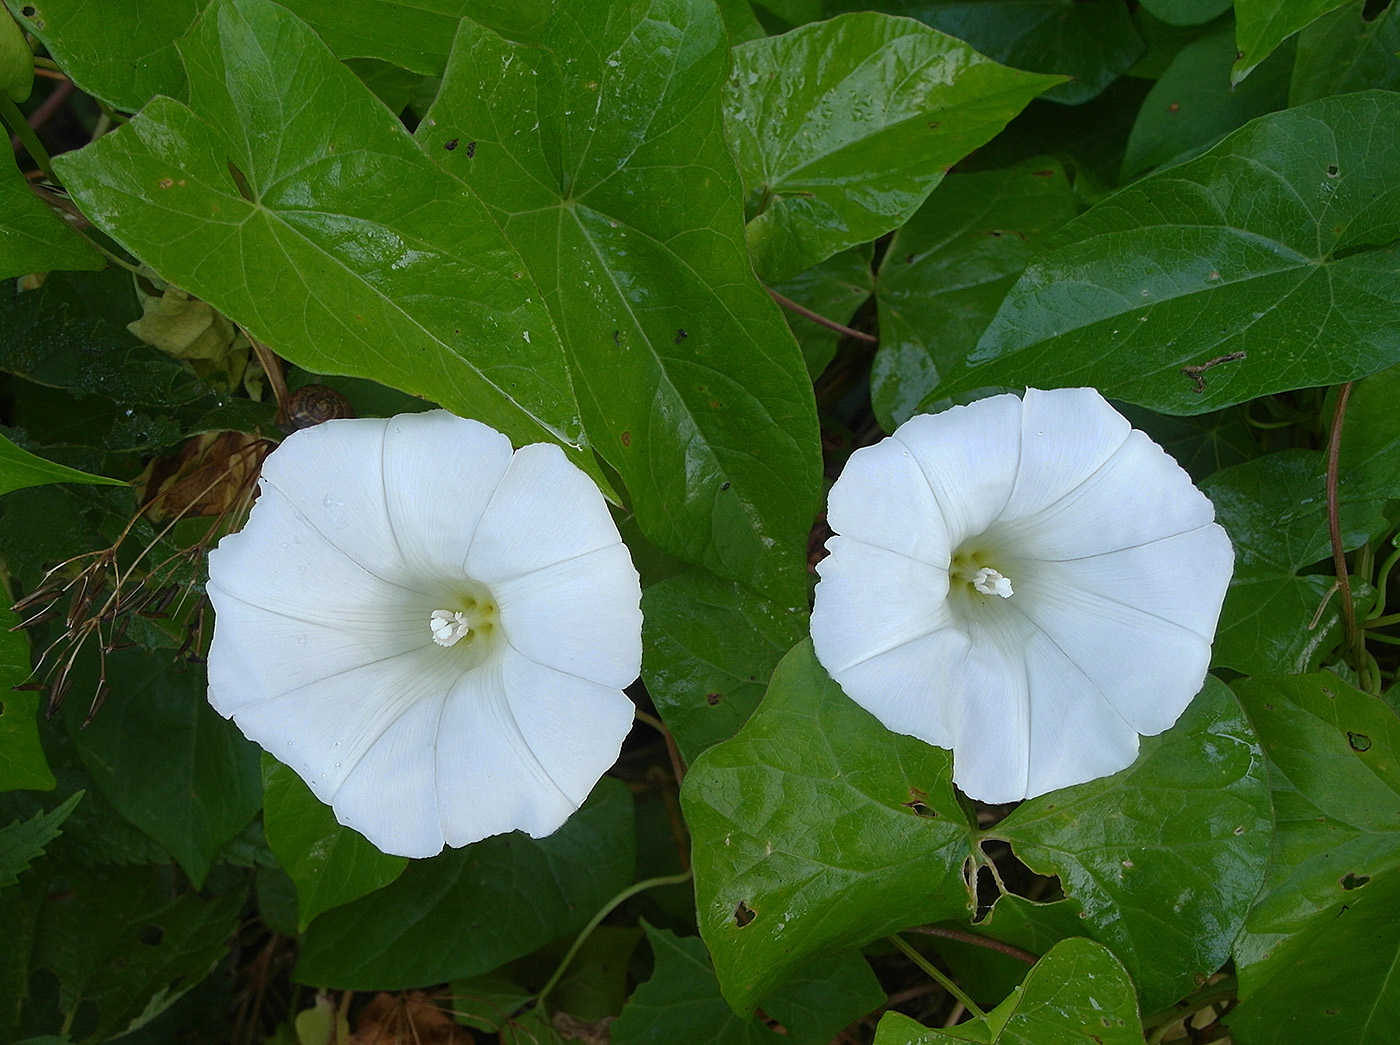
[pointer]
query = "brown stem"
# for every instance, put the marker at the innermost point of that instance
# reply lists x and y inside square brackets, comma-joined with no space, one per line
[1334,527]
[819,319]
[272,366]
[977,940]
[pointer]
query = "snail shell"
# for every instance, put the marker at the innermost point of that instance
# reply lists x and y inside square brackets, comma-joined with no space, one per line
[311,404]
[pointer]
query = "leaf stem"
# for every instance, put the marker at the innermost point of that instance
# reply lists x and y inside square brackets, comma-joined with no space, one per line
[976,940]
[819,319]
[1354,635]
[597,919]
[15,120]
[943,981]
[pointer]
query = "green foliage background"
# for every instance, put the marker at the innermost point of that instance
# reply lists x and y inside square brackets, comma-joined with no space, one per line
[709,249]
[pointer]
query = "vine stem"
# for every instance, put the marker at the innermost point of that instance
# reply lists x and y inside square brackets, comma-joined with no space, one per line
[597,919]
[1354,637]
[1010,950]
[928,967]
[819,319]
[9,111]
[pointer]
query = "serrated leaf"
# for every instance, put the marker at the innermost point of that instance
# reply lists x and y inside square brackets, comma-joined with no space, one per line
[330,864]
[1164,858]
[709,648]
[1344,51]
[815,829]
[164,758]
[602,154]
[1092,43]
[1078,992]
[22,842]
[32,237]
[129,942]
[22,761]
[842,129]
[1261,25]
[1279,243]
[947,270]
[470,910]
[326,232]
[1193,104]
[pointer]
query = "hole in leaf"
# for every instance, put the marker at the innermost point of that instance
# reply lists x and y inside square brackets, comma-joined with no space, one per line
[151,935]
[1355,881]
[1373,9]
[742,915]
[28,11]
[1020,879]
[712,699]
[918,802]
[450,144]
[240,181]
[1331,170]
[1358,741]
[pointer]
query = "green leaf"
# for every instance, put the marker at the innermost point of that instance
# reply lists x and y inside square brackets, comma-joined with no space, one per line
[130,942]
[1344,51]
[1078,992]
[830,994]
[1186,12]
[1203,444]
[709,647]
[21,843]
[843,128]
[470,910]
[1193,104]
[1279,244]
[1261,25]
[22,762]
[164,758]
[836,288]
[20,469]
[1334,980]
[947,270]
[16,62]
[602,154]
[1093,43]
[292,201]
[681,1003]
[816,830]
[32,237]
[330,864]
[1332,761]
[1163,858]
[121,53]
[1369,461]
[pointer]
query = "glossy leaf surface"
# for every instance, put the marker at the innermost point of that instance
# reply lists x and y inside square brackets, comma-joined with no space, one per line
[284,167]
[330,864]
[1077,992]
[1261,25]
[816,829]
[1346,51]
[32,237]
[610,173]
[842,128]
[1279,243]
[20,469]
[469,910]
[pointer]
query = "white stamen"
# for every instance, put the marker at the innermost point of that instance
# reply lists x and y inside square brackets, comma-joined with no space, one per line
[449,626]
[989,582]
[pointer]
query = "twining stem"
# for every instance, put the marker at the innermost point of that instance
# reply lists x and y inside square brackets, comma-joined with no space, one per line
[597,919]
[1157,1024]
[819,319]
[15,120]
[1010,950]
[1354,635]
[673,752]
[928,967]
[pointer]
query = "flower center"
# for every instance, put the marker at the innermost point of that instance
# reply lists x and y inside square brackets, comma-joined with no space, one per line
[467,620]
[971,571]
[449,626]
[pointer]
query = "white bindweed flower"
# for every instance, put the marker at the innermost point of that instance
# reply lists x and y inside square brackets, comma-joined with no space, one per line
[1031,583]
[432,631]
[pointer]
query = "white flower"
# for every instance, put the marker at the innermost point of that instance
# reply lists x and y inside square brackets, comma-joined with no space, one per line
[432,631]
[1032,584]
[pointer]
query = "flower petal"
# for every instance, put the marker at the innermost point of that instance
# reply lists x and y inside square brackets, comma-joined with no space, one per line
[871,600]
[1067,434]
[969,455]
[582,616]
[1147,667]
[440,471]
[573,727]
[1075,734]
[883,499]
[1138,496]
[909,688]
[488,779]
[989,715]
[544,511]
[333,474]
